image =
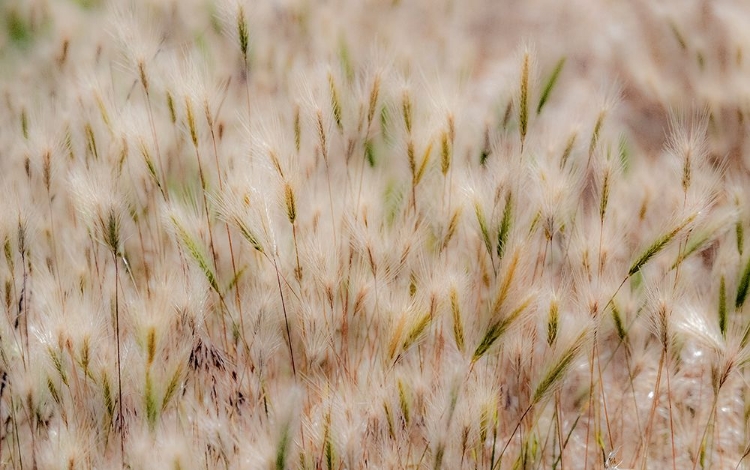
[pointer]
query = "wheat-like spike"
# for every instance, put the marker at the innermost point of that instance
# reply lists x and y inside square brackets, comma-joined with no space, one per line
[486,147]
[282,448]
[554,375]
[416,331]
[370,152]
[619,324]
[22,237]
[171,107]
[483,229]
[687,170]
[111,230]
[502,293]
[322,135]
[8,250]
[406,110]
[196,253]
[150,345]
[109,403]
[247,233]
[24,124]
[445,153]
[498,328]
[423,164]
[439,455]
[274,157]
[372,106]
[659,245]
[568,149]
[722,306]
[290,202]
[605,193]
[242,32]
[191,121]
[523,105]
[328,444]
[335,102]
[91,140]
[53,391]
[396,336]
[47,169]
[553,322]
[149,400]
[411,158]
[452,227]
[505,225]
[694,244]
[597,130]
[403,400]
[389,420]
[84,356]
[151,167]
[458,328]
[57,362]
[143,76]
[172,386]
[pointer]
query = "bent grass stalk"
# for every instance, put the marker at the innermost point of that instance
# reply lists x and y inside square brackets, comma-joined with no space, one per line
[235,274]
[323,142]
[110,228]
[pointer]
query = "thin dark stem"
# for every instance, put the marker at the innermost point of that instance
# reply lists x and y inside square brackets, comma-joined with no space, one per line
[286,318]
[671,422]
[604,396]
[711,416]
[507,443]
[654,405]
[591,406]
[237,300]
[558,419]
[25,307]
[119,360]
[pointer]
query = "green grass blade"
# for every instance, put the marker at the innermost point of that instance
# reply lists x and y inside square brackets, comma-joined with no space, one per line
[551,82]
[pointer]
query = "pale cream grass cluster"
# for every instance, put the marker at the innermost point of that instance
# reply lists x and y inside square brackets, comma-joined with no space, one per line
[376,234]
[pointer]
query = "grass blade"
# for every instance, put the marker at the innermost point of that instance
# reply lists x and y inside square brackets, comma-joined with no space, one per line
[551,82]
